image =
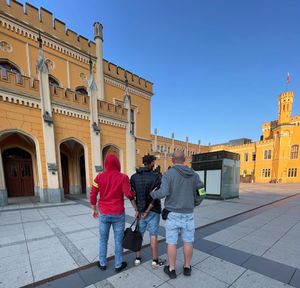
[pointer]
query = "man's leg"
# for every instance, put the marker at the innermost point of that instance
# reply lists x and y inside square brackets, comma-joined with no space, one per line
[142,228]
[172,230]
[188,232]
[188,254]
[172,253]
[171,240]
[154,246]
[118,227]
[153,227]
[104,227]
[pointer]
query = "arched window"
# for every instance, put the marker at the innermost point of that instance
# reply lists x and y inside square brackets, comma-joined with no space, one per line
[294,151]
[8,66]
[81,90]
[52,81]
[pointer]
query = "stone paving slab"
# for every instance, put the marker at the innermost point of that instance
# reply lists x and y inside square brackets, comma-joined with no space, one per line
[27,227]
[295,281]
[252,279]
[272,269]
[220,269]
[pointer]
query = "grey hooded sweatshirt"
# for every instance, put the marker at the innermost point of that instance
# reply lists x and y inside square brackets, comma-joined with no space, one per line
[179,185]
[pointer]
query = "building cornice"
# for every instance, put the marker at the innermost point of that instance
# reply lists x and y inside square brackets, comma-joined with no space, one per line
[72,112]
[112,122]
[119,84]
[21,99]
[143,139]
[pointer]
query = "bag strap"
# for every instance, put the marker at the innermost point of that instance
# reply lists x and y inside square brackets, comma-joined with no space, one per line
[135,220]
[137,224]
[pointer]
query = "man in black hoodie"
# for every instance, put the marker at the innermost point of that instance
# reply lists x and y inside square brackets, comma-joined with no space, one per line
[142,183]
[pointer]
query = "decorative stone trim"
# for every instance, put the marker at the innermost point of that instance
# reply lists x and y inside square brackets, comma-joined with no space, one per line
[47,41]
[120,85]
[5,47]
[51,64]
[112,122]
[21,100]
[70,112]
[143,139]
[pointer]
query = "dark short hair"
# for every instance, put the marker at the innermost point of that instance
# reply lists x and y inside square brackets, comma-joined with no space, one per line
[148,159]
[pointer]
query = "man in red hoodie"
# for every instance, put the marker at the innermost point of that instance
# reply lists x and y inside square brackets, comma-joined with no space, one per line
[112,186]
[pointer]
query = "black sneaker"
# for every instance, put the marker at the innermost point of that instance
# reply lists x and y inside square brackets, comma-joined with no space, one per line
[171,274]
[123,266]
[101,267]
[187,271]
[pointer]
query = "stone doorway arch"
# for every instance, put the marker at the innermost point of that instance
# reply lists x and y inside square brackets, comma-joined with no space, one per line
[72,167]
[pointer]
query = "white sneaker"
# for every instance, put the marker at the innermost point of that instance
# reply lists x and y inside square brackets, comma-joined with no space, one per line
[137,262]
[158,263]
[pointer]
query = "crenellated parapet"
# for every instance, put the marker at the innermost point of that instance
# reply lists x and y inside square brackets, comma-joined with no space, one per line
[41,19]
[265,142]
[69,98]
[111,110]
[16,82]
[287,94]
[119,73]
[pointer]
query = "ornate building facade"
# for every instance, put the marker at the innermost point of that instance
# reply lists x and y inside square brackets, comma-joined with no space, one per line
[63,107]
[275,158]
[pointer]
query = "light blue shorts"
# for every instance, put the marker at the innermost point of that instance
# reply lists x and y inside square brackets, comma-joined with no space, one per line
[180,223]
[151,223]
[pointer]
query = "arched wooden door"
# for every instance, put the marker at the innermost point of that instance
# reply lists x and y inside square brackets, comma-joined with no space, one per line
[18,172]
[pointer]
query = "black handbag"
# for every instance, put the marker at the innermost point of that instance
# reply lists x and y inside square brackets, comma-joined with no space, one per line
[164,214]
[132,239]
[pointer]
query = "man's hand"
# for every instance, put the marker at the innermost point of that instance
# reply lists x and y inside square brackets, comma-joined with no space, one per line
[145,214]
[155,188]
[95,213]
[137,214]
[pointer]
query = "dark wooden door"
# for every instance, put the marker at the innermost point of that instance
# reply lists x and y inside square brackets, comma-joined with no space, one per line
[82,174]
[65,173]
[18,173]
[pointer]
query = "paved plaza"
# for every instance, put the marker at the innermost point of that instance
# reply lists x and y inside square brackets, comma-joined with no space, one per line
[252,241]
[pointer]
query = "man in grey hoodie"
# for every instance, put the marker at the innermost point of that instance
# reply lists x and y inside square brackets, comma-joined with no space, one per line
[180,186]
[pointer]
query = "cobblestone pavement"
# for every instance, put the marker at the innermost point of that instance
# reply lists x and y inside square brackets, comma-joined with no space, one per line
[259,248]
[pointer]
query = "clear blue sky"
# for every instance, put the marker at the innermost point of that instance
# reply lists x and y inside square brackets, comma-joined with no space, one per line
[217,66]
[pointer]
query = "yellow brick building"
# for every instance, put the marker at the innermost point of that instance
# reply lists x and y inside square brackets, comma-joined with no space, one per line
[63,107]
[275,158]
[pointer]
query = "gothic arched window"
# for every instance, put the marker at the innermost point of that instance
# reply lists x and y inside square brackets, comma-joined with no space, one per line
[8,66]
[81,90]
[52,81]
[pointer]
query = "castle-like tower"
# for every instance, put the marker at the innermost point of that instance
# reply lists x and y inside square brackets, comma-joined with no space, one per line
[285,105]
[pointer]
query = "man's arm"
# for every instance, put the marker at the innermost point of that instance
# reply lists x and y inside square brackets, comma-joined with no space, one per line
[164,189]
[93,198]
[199,185]
[127,191]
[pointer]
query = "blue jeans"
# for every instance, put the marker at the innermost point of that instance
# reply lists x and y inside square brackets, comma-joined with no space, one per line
[118,223]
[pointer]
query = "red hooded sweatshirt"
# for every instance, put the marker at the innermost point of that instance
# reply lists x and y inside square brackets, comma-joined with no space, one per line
[112,186]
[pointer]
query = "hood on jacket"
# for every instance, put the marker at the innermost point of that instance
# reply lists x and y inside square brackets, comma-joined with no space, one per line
[185,171]
[112,163]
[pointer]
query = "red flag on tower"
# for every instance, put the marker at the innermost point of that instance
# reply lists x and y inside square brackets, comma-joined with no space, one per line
[288,78]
